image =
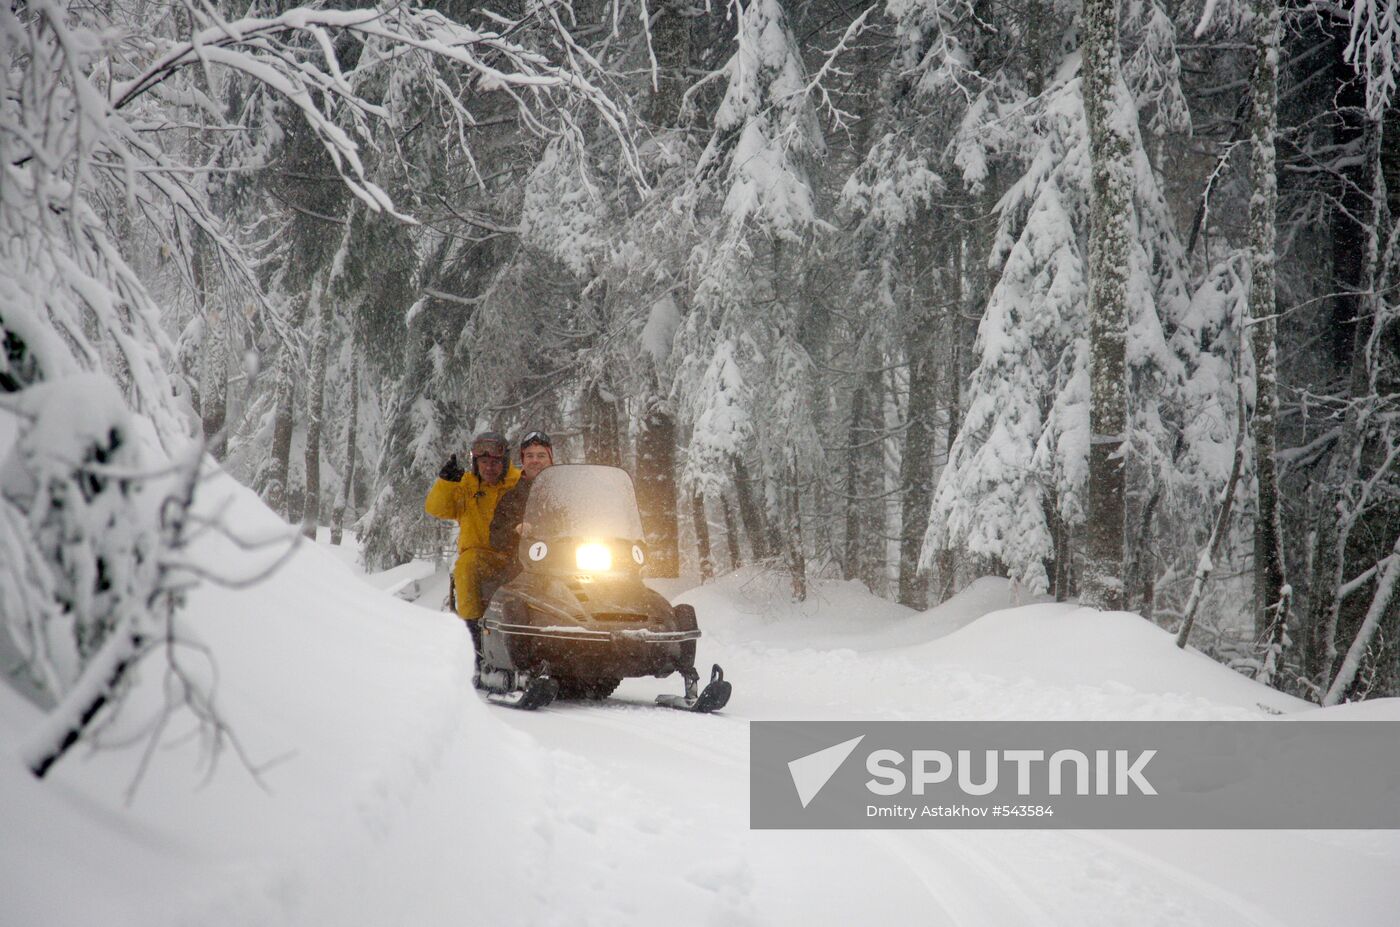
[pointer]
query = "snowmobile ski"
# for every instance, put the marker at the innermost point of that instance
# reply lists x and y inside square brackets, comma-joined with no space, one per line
[714,697]
[537,693]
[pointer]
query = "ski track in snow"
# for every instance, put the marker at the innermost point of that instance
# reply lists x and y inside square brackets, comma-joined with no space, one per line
[1187,885]
[1002,878]
[969,877]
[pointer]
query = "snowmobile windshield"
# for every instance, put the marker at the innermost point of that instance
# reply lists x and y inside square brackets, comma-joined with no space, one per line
[583,500]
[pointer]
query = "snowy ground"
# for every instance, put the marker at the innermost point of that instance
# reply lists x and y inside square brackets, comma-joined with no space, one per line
[392,795]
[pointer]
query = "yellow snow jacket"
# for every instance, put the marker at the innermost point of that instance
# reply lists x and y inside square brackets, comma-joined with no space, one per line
[471,504]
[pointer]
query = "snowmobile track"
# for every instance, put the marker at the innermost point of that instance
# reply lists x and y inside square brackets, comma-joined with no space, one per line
[667,729]
[1245,912]
[947,872]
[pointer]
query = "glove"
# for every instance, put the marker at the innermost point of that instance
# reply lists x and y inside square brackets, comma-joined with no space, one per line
[452,471]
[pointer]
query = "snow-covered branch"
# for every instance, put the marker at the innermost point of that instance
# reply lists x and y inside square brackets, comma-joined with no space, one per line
[1374,50]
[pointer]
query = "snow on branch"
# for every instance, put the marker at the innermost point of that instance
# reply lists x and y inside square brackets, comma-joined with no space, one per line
[96,527]
[818,86]
[84,129]
[766,130]
[271,50]
[1374,50]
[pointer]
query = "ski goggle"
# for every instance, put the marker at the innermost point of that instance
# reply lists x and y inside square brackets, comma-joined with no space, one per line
[536,437]
[492,450]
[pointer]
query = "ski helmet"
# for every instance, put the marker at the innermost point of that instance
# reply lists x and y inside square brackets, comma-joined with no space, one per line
[537,439]
[488,444]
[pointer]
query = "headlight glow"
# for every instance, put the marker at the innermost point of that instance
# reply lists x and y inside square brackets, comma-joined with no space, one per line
[593,557]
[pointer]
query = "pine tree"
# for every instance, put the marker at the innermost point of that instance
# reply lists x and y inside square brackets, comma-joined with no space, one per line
[1020,464]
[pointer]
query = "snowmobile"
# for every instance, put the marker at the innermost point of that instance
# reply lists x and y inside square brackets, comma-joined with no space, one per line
[577,619]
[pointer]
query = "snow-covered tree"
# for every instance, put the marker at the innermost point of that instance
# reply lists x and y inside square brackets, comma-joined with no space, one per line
[1021,457]
[766,130]
[86,145]
[752,179]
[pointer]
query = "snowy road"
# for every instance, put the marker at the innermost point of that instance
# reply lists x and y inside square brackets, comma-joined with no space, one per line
[696,768]
[653,765]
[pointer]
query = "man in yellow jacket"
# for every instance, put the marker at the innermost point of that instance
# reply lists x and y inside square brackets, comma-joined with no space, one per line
[470,500]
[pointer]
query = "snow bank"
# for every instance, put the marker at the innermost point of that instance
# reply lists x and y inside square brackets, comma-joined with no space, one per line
[1065,645]
[345,698]
[756,604]
[977,655]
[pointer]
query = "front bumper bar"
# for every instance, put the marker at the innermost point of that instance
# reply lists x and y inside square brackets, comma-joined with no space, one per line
[575,633]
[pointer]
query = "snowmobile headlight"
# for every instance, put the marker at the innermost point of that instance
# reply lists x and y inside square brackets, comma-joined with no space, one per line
[593,557]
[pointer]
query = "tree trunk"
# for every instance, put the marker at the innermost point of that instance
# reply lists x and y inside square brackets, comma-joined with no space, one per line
[315,406]
[916,473]
[670,40]
[214,387]
[213,372]
[1390,160]
[865,481]
[1270,586]
[1215,546]
[1038,36]
[854,520]
[347,485]
[656,487]
[656,440]
[1349,207]
[667,44]
[1109,236]
[275,483]
[773,519]
[750,511]
[1057,570]
[797,555]
[1064,560]
[875,511]
[602,443]
[1386,579]
[1139,584]
[1340,508]
[947,558]
[731,534]
[702,536]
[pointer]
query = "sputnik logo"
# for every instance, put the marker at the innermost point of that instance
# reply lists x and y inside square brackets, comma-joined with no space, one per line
[812,772]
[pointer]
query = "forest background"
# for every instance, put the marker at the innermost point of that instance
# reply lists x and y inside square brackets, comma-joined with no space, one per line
[1099,298]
